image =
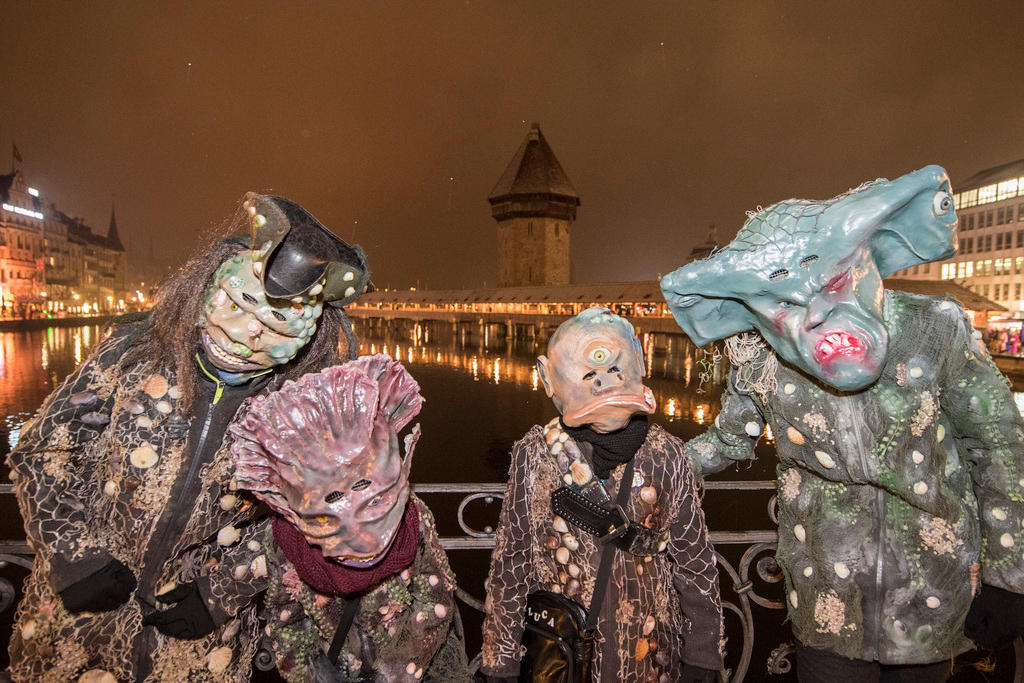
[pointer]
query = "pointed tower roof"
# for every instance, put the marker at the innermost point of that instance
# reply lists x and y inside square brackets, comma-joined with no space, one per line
[112,237]
[534,183]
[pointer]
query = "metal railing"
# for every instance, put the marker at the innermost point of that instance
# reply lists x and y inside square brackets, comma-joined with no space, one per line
[756,569]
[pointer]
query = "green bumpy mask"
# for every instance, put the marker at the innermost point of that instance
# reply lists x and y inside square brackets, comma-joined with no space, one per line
[243,330]
[807,275]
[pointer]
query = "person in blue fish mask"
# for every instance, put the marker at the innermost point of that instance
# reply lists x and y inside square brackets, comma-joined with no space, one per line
[901,451]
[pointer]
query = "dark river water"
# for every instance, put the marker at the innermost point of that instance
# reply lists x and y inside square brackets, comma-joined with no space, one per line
[482,394]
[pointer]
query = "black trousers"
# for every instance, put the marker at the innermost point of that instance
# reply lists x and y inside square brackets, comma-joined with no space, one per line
[821,666]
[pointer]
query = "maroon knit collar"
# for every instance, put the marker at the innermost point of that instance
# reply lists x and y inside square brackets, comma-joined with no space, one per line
[330,578]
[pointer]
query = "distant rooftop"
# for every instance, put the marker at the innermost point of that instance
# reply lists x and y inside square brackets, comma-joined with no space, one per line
[642,291]
[534,170]
[1013,169]
[991,185]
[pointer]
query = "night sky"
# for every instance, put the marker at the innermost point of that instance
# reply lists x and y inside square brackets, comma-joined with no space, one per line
[392,121]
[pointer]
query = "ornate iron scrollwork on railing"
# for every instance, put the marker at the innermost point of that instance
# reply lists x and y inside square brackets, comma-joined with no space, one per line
[756,569]
[758,542]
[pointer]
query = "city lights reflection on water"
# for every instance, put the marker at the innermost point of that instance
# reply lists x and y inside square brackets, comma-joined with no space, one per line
[33,362]
[488,357]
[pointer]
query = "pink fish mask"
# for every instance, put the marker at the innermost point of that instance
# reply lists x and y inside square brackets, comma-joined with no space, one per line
[323,452]
[594,371]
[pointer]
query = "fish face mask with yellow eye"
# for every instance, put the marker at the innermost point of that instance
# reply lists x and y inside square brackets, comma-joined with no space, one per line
[243,330]
[594,371]
[807,275]
[324,453]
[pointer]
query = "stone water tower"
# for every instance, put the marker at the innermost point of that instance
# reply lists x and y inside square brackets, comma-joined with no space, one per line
[535,206]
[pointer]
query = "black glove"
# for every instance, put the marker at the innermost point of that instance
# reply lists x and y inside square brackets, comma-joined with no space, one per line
[996,617]
[187,619]
[104,590]
[695,674]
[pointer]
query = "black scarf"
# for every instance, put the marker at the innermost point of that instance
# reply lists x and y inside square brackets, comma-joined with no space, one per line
[613,448]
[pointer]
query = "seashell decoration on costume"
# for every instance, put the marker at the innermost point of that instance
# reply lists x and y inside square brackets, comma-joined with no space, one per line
[155,386]
[143,457]
[97,676]
[82,398]
[219,659]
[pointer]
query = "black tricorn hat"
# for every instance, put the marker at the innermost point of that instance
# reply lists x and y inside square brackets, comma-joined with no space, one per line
[296,257]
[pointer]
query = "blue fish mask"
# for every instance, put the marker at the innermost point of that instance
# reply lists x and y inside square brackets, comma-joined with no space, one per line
[807,275]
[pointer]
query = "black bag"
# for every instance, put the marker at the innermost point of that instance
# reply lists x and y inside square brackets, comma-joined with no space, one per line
[559,648]
[559,632]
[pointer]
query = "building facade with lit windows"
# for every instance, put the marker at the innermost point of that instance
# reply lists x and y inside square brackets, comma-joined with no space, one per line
[51,263]
[990,260]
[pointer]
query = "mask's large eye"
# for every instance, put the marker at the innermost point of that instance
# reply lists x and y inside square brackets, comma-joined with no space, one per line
[278,315]
[599,355]
[333,496]
[249,298]
[941,203]
[361,484]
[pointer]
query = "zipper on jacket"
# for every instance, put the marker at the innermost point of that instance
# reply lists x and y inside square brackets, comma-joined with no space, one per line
[194,454]
[147,583]
[865,457]
[879,568]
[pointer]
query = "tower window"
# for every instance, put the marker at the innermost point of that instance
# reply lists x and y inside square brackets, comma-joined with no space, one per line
[529,228]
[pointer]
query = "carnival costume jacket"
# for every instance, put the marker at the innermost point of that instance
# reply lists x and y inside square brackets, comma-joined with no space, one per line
[109,468]
[407,624]
[896,502]
[661,610]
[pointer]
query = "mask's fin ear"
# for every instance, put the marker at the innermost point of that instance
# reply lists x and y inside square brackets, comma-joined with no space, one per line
[905,222]
[699,296]
[542,372]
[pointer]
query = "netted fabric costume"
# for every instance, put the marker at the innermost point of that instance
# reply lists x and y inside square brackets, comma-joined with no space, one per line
[660,610]
[892,499]
[408,623]
[89,490]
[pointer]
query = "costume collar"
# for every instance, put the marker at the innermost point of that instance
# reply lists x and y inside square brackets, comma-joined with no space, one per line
[330,578]
[219,376]
[613,448]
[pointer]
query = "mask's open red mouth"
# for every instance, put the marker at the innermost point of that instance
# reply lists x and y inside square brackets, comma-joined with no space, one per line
[836,345]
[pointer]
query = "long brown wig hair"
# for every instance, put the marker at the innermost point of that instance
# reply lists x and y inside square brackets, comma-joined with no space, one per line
[172,335]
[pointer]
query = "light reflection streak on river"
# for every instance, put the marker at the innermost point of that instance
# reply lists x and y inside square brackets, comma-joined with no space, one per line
[671,378]
[32,363]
